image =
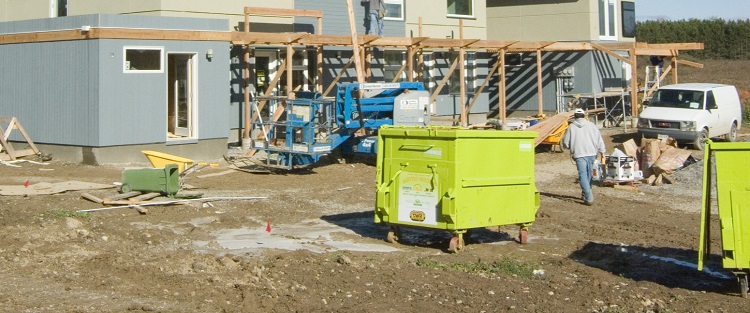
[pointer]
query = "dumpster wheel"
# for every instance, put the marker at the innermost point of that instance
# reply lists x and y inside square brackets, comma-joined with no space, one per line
[523,235]
[456,244]
[394,234]
[742,278]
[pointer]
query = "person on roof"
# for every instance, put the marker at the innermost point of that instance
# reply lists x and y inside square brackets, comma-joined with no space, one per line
[375,11]
[585,142]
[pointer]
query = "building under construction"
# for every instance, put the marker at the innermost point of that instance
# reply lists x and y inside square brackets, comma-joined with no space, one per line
[97,81]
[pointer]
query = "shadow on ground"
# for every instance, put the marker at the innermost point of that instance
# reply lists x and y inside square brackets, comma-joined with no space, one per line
[362,223]
[669,267]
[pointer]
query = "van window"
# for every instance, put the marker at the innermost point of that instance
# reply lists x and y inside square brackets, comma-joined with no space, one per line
[681,99]
[710,101]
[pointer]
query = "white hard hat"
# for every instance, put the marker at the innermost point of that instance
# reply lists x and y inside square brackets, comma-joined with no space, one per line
[579,111]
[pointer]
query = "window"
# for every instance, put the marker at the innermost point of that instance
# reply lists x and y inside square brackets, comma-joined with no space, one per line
[394,10]
[62,7]
[461,8]
[393,61]
[143,60]
[513,59]
[628,19]
[607,20]
[454,83]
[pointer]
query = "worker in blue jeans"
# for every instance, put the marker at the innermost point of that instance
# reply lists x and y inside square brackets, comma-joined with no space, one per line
[585,142]
[374,17]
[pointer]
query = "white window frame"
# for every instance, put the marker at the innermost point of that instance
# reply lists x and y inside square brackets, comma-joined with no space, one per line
[462,15]
[393,67]
[125,54]
[609,18]
[193,81]
[400,3]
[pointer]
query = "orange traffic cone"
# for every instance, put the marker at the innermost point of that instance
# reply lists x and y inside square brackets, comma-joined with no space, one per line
[268,226]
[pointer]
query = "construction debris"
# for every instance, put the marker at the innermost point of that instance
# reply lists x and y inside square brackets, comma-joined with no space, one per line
[45,188]
[7,151]
[173,202]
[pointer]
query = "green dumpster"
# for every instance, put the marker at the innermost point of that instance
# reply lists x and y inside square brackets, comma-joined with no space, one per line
[731,161]
[162,180]
[455,179]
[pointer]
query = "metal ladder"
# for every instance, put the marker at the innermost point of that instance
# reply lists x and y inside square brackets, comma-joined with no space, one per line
[653,78]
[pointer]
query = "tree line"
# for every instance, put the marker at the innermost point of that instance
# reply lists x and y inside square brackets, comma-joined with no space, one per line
[723,39]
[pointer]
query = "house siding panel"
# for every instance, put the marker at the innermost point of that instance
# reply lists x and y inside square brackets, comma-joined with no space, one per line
[336,18]
[51,89]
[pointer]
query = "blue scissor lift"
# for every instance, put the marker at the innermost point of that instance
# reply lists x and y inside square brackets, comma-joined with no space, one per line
[312,126]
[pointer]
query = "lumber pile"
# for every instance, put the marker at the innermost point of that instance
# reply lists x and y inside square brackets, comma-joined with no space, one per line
[547,126]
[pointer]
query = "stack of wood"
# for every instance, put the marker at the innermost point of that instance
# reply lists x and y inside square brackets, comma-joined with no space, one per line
[547,126]
[133,198]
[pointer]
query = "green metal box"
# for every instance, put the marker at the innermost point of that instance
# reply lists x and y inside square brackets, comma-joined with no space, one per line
[163,180]
[731,163]
[455,179]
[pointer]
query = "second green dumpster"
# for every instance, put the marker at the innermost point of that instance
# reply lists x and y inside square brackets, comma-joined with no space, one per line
[455,179]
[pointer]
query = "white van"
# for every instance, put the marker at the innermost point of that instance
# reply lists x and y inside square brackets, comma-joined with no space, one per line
[692,113]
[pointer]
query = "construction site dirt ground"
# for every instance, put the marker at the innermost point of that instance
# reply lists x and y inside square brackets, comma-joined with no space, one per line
[630,252]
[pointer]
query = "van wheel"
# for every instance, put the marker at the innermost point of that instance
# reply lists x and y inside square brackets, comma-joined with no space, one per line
[732,135]
[700,142]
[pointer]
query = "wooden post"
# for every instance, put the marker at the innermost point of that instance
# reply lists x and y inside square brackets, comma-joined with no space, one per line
[355,43]
[246,82]
[420,59]
[674,64]
[320,57]
[484,84]
[501,93]
[539,75]
[410,63]
[462,77]
[368,62]
[289,76]
[634,85]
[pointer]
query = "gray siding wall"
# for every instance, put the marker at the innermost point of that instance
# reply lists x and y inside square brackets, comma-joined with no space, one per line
[52,89]
[594,72]
[336,18]
[75,92]
[141,98]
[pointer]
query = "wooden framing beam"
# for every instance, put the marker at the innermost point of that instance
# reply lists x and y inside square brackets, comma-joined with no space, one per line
[283,12]
[443,81]
[338,76]
[266,38]
[529,45]
[160,34]
[462,76]
[401,70]
[484,84]
[355,43]
[289,76]
[244,38]
[690,63]
[634,84]
[410,63]
[612,53]
[539,94]
[501,89]
[246,79]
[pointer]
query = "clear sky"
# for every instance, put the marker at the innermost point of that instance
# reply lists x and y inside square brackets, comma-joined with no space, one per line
[687,9]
